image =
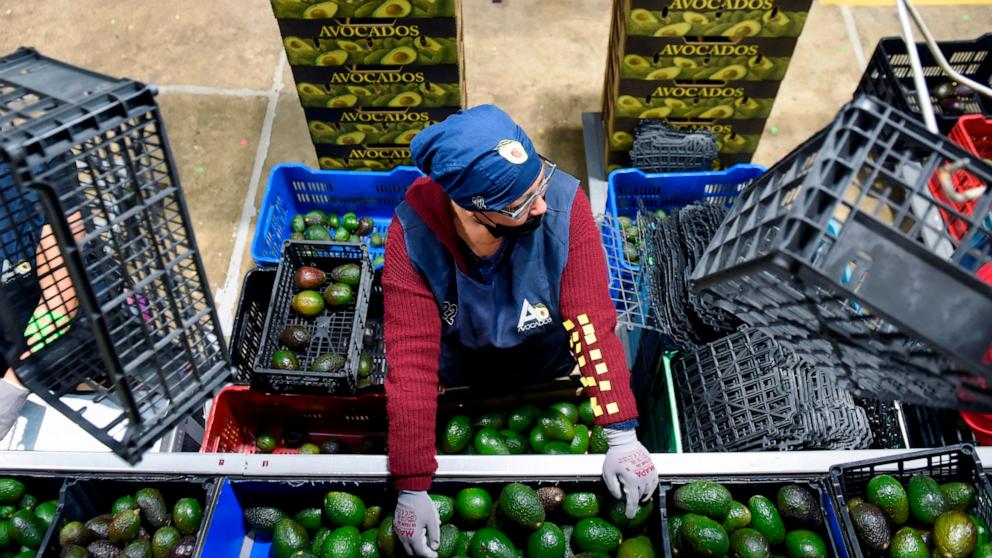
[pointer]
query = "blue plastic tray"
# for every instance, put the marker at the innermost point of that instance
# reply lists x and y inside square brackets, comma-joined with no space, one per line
[295,188]
[670,191]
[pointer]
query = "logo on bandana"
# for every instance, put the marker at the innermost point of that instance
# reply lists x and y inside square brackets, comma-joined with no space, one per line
[513,151]
[532,316]
[479,202]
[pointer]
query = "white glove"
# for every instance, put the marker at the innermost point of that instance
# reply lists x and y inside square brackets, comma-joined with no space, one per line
[629,464]
[12,400]
[417,524]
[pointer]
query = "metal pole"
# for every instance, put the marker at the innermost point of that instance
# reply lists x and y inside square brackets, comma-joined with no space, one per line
[922,93]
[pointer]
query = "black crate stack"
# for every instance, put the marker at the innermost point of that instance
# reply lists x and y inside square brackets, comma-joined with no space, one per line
[372,73]
[711,65]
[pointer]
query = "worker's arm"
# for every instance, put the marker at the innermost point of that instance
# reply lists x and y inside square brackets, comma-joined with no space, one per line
[413,346]
[590,318]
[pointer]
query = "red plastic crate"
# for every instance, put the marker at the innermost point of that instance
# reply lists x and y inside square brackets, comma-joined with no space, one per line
[238,413]
[974,133]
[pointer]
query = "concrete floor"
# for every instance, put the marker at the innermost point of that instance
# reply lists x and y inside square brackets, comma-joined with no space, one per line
[232,112]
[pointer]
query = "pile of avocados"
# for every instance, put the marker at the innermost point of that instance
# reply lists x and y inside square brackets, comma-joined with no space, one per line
[727,142]
[23,519]
[520,522]
[138,526]
[918,520]
[383,9]
[720,68]
[709,108]
[560,429]
[368,134]
[633,242]
[296,438]
[705,520]
[379,51]
[318,225]
[411,95]
[722,23]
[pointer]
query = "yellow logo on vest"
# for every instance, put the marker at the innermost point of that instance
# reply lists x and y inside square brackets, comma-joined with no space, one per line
[532,316]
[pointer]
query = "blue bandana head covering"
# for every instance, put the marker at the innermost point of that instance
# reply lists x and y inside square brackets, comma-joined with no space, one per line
[481,158]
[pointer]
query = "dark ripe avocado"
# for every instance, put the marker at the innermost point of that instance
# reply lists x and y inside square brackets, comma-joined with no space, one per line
[308,303]
[124,527]
[798,506]
[365,226]
[327,362]
[349,221]
[74,533]
[98,526]
[338,294]
[954,535]
[153,507]
[315,217]
[944,90]
[296,338]
[334,447]
[551,498]
[103,549]
[520,504]
[187,515]
[185,548]
[284,360]
[349,274]
[308,277]
[872,526]
[138,549]
[293,436]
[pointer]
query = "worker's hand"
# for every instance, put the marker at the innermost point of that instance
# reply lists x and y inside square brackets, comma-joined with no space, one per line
[12,398]
[628,464]
[417,524]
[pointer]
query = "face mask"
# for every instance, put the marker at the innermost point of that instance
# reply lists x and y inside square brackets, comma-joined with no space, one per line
[503,231]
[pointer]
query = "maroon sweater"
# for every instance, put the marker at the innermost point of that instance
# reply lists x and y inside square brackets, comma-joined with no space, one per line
[413,333]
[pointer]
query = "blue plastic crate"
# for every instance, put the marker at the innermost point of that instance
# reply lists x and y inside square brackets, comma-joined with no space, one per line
[668,192]
[295,188]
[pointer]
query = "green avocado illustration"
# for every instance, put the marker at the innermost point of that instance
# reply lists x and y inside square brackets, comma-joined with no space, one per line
[406,137]
[321,10]
[776,23]
[342,101]
[629,106]
[321,132]
[406,99]
[299,51]
[621,141]
[670,72]
[642,22]
[350,138]
[743,29]
[674,30]
[635,66]
[719,111]
[659,112]
[731,72]
[332,58]
[393,8]
[399,56]
[329,163]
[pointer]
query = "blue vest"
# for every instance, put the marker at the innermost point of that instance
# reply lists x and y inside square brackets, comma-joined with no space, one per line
[509,331]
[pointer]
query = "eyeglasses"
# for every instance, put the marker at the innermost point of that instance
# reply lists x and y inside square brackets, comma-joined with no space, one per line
[524,207]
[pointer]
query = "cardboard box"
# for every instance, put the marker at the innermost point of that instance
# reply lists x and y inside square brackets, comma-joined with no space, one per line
[361,157]
[734,19]
[380,9]
[401,42]
[371,127]
[696,59]
[378,87]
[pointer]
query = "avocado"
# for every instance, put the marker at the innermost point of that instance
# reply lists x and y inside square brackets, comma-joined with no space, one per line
[958,495]
[685,63]
[449,541]
[556,447]
[556,426]
[350,46]
[675,532]
[432,90]
[580,442]
[393,9]
[982,551]
[321,10]
[621,141]
[138,549]
[316,232]
[332,58]
[406,137]
[166,539]
[349,274]
[635,66]
[616,514]
[593,534]
[776,23]
[124,503]
[386,538]
[552,497]
[515,442]
[265,442]
[28,502]
[45,512]
[586,415]
[99,526]
[579,505]
[350,138]
[520,504]
[907,543]
[748,543]
[315,218]
[344,509]
[642,22]
[598,442]
[473,506]
[262,519]
[719,111]
[399,56]
[954,535]
[888,494]
[804,544]
[338,294]
[704,498]
[68,551]
[6,512]
[124,527]
[628,105]
[327,362]
[674,30]
[457,434]
[731,72]
[72,533]
[547,541]
[406,99]
[926,501]
[341,234]
[743,29]
[659,112]
[379,261]
[26,529]
[344,101]
[798,506]
[766,519]
[330,163]
[703,537]
[284,360]
[668,72]
[445,506]
[289,537]
[464,540]
[637,547]
[489,442]
[185,548]
[299,51]
[295,337]
[103,549]
[491,543]
[738,517]
[377,240]
[872,526]
[343,542]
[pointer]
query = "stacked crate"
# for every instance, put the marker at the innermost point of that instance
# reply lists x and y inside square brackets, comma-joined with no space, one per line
[372,73]
[697,64]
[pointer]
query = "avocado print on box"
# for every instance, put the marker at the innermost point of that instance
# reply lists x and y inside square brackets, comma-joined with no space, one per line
[667,103]
[401,133]
[427,95]
[754,67]
[382,51]
[733,24]
[380,9]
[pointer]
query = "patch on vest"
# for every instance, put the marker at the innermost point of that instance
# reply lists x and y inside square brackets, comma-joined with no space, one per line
[448,312]
[532,316]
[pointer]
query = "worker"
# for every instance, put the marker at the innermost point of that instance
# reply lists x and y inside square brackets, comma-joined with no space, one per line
[495,278]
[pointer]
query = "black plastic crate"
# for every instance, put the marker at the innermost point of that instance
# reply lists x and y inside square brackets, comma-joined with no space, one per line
[345,325]
[840,251]
[955,463]
[935,428]
[890,77]
[84,499]
[102,279]
[743,488]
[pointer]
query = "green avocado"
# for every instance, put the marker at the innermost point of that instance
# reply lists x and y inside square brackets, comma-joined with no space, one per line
[766,519]
[457,434]
[321,10]
[958,495]
[406,99]
[804,544]
[489,442]
[907,543]
[579,505]
[743,29]
[888,494]
[344,101]
[327,362]
[393,9]
[491,543]
[704,498]
[926,501]
[593,534]
[520,504]
[350,138]
[399,56]
[748,543]
[333,58]
[703,537]
[954,535]
[547,541]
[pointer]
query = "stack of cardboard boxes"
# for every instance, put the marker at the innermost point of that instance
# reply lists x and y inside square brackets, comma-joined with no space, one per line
[372,73]
[697,64]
